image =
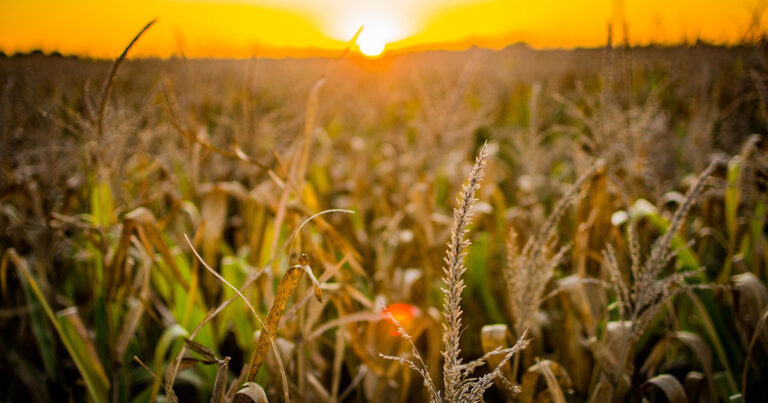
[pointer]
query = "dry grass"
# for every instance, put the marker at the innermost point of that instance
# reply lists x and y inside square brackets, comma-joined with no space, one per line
[459,386]
[528,272]
[650,290]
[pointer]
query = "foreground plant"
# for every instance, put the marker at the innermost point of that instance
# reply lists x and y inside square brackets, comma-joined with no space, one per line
[650,290]
[528,272]
[458,382]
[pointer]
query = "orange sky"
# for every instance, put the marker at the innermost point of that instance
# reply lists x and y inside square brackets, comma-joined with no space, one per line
[241,28]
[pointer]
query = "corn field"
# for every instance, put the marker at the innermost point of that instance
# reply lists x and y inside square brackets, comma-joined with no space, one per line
[514,225]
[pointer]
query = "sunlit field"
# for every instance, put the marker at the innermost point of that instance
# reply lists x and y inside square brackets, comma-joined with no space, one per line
[375,225]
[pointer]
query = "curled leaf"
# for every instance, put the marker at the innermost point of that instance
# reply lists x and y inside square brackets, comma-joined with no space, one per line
[669,385]
[251,392]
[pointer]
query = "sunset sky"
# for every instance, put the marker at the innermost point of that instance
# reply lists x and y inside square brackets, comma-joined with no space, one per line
[241,28]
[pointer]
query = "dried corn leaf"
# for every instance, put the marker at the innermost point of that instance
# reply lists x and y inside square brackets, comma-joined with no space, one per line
[204,351]
[554,375]
[284,291]
[701,350]
[669,385]
[655,357]
[251,393]
[493,337]
[220,385]
[603,390]
[751,299]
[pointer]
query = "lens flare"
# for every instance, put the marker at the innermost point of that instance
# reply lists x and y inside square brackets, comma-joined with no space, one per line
[403,313]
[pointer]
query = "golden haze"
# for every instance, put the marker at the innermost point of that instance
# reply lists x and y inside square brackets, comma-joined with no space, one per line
[307,28]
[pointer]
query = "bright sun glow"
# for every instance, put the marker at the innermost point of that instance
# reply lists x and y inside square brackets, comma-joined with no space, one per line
[371,41]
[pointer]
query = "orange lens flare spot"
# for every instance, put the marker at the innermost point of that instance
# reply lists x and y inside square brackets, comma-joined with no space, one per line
[403,313]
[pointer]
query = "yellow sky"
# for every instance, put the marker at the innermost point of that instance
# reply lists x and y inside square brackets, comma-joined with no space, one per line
[240,28]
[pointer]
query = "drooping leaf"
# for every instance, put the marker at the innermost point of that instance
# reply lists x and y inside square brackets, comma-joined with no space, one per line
[670,386]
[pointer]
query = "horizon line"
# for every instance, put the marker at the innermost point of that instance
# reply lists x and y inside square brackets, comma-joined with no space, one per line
[287,52]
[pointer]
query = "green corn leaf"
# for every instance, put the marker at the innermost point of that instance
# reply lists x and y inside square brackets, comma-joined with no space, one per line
[96,385]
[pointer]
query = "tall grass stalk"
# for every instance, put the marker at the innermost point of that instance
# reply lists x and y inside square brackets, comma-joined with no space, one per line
[459,386]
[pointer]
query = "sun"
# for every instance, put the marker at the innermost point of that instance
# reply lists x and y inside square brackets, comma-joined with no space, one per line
[381,27]
[371,41]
